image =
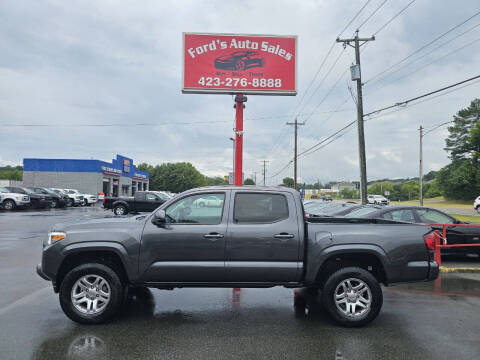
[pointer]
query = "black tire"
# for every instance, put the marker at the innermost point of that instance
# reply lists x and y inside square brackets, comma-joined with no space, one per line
[116,293]
[85,202]
[71,202]
[120,210]
[9,205]
[478,209]
[329,293]
[54,204]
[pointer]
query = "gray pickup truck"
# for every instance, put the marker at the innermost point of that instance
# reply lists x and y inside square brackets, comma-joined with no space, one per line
[241,237]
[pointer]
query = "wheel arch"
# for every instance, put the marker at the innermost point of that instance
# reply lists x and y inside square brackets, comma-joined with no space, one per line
[113,255]
[369,258]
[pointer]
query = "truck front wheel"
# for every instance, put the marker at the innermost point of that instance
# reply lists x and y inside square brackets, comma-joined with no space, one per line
[91,293]
[352,296]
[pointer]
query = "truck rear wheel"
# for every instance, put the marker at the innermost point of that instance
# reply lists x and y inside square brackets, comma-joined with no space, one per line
[91,293]
[352,296]
[120,210]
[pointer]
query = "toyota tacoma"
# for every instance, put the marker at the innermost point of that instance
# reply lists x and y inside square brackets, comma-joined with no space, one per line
[253,237]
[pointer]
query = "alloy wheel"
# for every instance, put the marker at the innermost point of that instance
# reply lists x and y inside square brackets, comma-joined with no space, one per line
[90,294]
[353,298]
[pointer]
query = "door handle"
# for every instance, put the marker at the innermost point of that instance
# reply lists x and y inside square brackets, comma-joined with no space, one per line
[283,236]
[213,236]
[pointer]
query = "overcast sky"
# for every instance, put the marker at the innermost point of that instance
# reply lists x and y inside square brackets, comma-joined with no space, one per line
[119,62]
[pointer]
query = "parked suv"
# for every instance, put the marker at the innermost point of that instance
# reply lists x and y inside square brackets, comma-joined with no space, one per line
[10,200]
[87,199]
[36,200]
[76,199]
[377,200]
[57,200]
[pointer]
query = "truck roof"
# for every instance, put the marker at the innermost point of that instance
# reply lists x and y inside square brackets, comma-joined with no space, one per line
[245,187]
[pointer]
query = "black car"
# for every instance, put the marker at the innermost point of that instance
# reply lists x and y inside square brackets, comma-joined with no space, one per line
[57,199]
[240,60]
[37,201]
[425,215]
[64,196]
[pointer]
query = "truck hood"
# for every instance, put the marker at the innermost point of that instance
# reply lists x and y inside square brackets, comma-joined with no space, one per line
[99,225]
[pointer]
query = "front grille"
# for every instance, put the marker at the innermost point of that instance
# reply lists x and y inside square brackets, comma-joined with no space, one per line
[25,198]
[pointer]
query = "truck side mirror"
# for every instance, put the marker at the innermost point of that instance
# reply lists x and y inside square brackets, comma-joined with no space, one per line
[159,218]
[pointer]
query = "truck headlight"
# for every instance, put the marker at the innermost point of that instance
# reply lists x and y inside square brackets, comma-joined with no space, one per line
[53,237]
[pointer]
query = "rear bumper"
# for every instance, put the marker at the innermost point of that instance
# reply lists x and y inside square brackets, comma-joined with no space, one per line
[434,270]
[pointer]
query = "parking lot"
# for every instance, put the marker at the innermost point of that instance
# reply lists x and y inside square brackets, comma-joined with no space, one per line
[425,320]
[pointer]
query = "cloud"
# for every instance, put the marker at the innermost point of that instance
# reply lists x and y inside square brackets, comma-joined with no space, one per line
[98,62]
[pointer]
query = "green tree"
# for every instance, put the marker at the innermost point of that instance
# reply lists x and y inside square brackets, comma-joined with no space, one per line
[174,177]
[11,172]
[249,182]
[217,180]
[460,179]
[288,182]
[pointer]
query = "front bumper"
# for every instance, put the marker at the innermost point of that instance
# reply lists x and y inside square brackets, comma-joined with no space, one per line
[41,273]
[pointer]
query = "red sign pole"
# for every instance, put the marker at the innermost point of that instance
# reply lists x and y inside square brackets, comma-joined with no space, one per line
[239,100]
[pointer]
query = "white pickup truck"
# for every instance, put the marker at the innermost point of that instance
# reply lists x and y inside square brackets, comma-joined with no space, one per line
[10,201]
[83,199]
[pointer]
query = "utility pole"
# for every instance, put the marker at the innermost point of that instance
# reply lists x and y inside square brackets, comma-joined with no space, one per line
[357,75]
[420,167]
[264,169]
[295,124]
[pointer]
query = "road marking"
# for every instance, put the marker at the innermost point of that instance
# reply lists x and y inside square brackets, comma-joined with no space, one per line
[24,300]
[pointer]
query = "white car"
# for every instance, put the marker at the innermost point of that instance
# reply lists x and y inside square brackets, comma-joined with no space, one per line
[210,201]
[377,200]
[83,199]
[10,201]
[476,204]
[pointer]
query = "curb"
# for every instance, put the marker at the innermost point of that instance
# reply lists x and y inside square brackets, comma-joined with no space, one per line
[444,269]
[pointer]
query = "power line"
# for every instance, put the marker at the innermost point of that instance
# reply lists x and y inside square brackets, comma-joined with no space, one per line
[436,60]
[424,100]
[422,47]
[372,14]
[393,18]
[437,126]
[326,139]
[434,49]
[323,79]
[404,103]
[322,63]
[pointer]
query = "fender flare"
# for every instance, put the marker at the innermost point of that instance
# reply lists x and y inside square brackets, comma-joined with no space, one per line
[340,249]
[93,246]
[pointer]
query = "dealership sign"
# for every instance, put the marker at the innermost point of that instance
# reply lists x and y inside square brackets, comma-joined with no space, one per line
[248,64]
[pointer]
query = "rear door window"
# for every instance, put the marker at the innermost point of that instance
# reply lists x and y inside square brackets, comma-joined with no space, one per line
[260,208]
[400,215]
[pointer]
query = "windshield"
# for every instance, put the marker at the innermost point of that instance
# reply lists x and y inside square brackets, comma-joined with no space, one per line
[29,191]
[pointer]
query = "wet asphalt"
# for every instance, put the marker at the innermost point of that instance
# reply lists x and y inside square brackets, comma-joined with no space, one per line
[435,320]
